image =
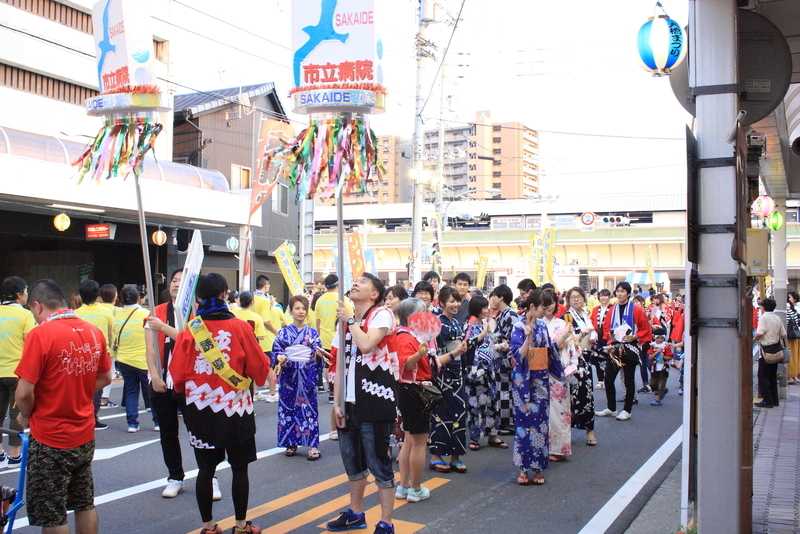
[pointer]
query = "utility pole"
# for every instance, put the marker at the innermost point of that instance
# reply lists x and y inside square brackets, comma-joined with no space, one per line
[440,162]
[424,50]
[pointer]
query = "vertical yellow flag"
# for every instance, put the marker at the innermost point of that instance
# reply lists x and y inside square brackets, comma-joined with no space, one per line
[289,269]
[648,259]
[548,251]
[357,263]
[483,264]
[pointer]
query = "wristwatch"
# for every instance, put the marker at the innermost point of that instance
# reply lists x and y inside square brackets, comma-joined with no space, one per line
[351,320]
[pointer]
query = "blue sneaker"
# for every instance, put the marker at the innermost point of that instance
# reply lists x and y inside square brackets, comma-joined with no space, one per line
[655,403]
[14,461]
[384,528]
[400,492]
[349,521]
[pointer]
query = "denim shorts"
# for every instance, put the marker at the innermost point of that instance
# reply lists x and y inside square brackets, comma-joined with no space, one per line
[365,449]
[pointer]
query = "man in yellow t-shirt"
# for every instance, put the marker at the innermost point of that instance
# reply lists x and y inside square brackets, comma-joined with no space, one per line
[245,312]
[102,317]
[262,305]
[15,323]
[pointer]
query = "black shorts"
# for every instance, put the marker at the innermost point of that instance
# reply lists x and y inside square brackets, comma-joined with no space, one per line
[58,480]
[239,455]
[415,419]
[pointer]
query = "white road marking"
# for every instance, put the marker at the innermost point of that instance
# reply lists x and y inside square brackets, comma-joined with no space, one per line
[609,513]
[21,522]
[113,452]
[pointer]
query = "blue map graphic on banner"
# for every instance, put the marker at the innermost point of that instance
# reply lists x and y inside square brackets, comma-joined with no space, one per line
[318,34]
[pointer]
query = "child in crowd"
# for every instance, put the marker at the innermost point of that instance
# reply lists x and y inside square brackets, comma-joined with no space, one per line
[296,348]
[660,357]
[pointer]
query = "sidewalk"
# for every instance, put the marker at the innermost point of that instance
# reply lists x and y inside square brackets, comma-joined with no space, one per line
[776,443]
[776,468]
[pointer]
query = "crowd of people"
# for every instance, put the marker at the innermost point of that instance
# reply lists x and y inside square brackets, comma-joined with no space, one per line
[495,366]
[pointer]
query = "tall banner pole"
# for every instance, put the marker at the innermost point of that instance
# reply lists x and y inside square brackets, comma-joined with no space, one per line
[338,73]
[129,101]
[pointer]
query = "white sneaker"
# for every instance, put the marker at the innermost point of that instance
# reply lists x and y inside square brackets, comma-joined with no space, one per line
[259,396]
[623,416]
[416,496]
[132,429]
[216,494]
[156,428]
[272,398]
[400,492]
[334,435]
[606,413]
[174,487]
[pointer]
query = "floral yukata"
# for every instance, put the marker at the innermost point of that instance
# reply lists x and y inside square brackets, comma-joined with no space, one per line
[481,383]
[298,413]
[560,398]
[531,396]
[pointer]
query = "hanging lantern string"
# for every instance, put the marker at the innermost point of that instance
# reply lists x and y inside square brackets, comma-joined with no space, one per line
[659,6]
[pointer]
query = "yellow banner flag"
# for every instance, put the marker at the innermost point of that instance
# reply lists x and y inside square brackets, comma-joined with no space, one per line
[648,259]
[357,263]
[548,251]
[289,270]
[483,264]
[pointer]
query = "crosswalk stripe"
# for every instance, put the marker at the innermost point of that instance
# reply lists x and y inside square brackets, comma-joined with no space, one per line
[401,527]
[326,509]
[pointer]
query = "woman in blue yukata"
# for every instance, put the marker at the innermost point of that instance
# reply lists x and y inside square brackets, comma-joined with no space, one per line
[534,357]
[296,348]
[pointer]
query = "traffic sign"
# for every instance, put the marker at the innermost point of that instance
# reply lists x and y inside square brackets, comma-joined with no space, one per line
[587,218]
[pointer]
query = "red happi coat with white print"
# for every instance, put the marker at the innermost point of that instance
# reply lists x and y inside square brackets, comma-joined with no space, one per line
[217,414]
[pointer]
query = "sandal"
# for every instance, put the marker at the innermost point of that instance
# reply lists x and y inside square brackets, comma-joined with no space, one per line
[557,458]
[538,479]
[523,480]
[458,467]
[440,467]
[291,451]
[591,442]
[475,446]
[314,455]
[499,443]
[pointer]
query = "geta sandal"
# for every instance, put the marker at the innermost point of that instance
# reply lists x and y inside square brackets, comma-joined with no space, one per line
[291,451]
[523,480]
[314,455]
[440,467]
[475,446]
[538,479]
[499,443]
[458,467]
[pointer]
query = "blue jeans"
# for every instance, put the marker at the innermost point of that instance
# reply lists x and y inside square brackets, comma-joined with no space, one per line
[134,379]
[365,448]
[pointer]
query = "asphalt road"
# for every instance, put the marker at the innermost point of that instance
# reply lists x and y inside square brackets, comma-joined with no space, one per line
[298,496]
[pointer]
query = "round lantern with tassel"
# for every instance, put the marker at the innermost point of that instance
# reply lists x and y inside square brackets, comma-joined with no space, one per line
[763,206]
[775,221]
[661,44]
[61,222]
[159,237]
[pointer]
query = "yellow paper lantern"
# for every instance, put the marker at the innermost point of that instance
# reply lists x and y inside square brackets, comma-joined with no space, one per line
[159,237]
[61,222]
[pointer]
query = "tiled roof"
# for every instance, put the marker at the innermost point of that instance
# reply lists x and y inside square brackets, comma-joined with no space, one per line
[193,103]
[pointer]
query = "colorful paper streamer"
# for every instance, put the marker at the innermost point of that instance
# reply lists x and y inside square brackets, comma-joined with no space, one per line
[119,148]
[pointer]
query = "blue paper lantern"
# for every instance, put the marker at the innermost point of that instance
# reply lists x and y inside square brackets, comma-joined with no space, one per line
[662,45]
[232,243]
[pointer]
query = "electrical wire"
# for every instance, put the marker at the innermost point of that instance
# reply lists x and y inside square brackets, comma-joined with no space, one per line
[222,43]
[231,25]
[444,56]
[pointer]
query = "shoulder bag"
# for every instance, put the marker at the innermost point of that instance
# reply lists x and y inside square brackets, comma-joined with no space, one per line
[792,330]
[115,347]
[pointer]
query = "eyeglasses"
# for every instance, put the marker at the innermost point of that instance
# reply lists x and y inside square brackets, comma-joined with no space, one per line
[575,297]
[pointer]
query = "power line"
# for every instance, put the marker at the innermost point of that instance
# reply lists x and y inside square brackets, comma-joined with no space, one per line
[444,56]
[231,25]
[222,43]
